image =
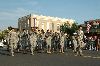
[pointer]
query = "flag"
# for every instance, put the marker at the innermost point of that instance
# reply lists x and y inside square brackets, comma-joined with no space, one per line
[88,27]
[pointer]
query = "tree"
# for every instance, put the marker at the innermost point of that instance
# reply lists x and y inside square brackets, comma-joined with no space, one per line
[63,28]
[3,34]
[74,27]
[9,28]
[69,30]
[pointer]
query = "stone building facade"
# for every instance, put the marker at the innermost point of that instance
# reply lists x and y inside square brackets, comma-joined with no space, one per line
[42,22]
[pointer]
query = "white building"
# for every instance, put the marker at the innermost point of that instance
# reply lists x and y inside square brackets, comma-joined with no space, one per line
[43,22]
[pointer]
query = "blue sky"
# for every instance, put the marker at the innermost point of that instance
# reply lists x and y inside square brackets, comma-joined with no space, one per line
[80,10]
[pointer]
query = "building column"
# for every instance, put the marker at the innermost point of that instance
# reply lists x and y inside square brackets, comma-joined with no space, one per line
[55,26]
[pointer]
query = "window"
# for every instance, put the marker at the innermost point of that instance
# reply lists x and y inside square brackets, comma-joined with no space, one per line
[42,25]
[58,27]
[47,25]
[52,26]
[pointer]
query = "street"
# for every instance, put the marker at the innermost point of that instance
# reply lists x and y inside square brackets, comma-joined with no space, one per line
[90,58]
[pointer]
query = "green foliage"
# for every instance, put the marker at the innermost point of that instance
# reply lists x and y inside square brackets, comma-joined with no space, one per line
[74,27]
[9,28]
[64,27]
[69,30]
[3,34]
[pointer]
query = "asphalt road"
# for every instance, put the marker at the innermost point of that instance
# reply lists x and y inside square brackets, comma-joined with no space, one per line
[90,58]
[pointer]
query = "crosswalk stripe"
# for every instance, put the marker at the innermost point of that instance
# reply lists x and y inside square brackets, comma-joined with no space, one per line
[87,56]
[96,57]
[91,57]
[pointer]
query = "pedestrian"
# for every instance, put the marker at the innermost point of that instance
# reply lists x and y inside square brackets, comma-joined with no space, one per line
[18,40]
[74,40]
[24,40]
[33,39]
[62,43]
[8,41]
[47,33]
[39,42]
[80,35]
[43,40]
[13,41]
[98,43]
[56,41]
[48,40]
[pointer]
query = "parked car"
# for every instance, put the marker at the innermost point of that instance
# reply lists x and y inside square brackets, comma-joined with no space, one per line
[1,44]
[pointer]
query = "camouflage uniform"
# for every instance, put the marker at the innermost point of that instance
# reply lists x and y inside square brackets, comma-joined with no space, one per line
[39,42]
[8,41]
[33,39]
[43,42]
[48,40]
[24,40]
[80,42]
[18,41]
[62,43]
[13,41]
[74,43]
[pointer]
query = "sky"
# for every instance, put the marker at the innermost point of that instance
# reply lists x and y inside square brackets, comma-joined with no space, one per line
[79,10]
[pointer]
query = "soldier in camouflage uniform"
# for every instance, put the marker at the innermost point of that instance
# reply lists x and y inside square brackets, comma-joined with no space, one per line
[24,40]
[80,35]
[74,40]
[62,43]
[18,40]
[13,41]
[8,41]
[39,42]
[48,40]
[43,40]
[33,39]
